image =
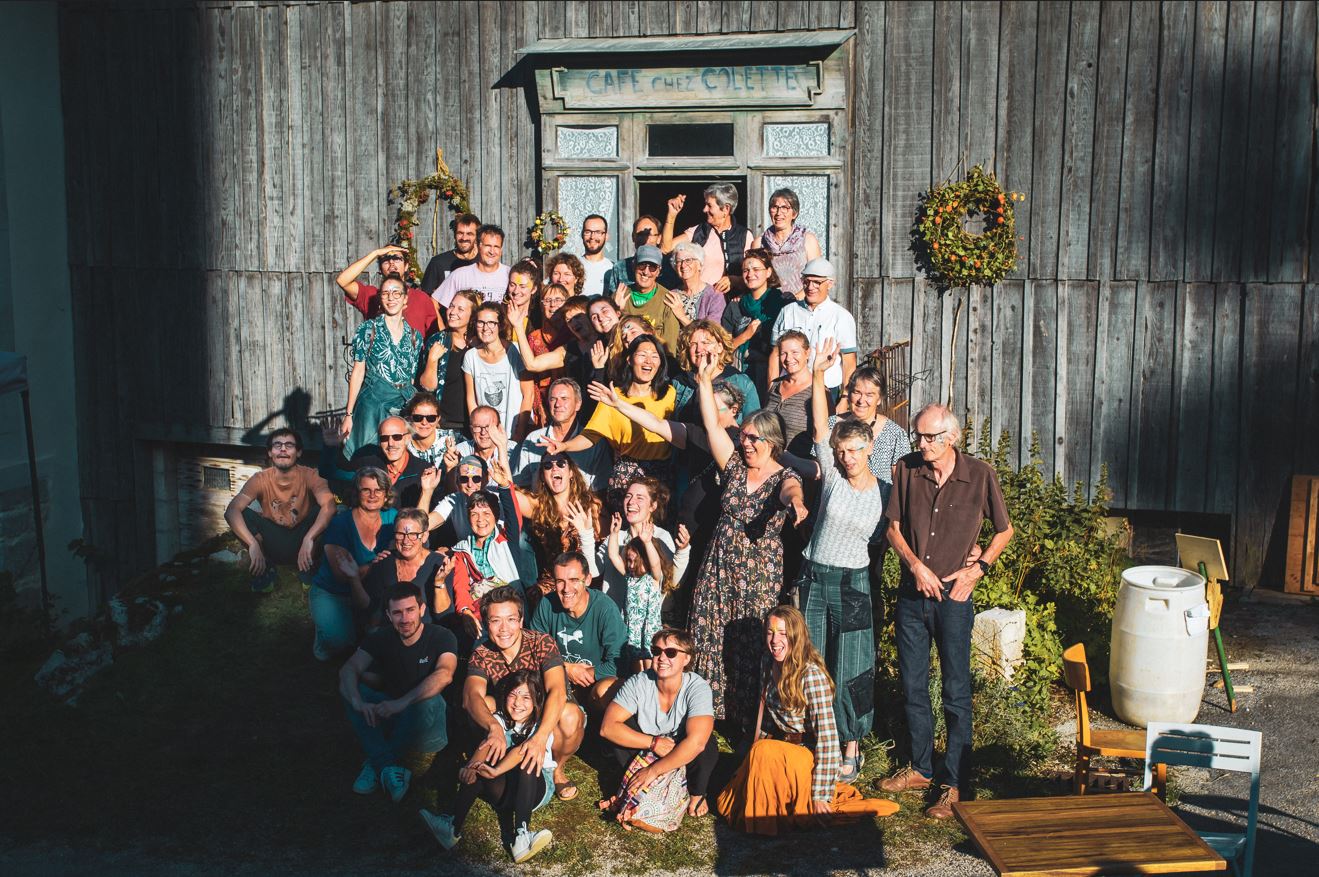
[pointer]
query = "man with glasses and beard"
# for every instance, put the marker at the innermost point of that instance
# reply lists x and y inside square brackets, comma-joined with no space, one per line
[296,506]
[595,234]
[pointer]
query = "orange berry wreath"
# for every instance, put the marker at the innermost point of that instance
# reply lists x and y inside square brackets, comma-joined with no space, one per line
[956,256]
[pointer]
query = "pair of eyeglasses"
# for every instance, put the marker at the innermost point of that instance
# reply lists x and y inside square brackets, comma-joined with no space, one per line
[394,437]
[779,208]
[931,437]
[391,293]
[283,446]
[371,490]
[554,463]
[407,536]
[424,418]
[679,262]
[592,233]
[494,324]
[668,651]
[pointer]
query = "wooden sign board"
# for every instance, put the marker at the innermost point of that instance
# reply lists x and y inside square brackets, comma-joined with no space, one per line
[1194,550]
[637,88]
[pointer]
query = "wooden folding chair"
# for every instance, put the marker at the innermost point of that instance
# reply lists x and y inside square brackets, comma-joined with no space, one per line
[1117,744]
[1215,748]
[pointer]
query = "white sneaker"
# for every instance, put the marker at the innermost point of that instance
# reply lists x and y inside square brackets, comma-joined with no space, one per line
[395,779]
[441,825]
[528,843]
[366,781]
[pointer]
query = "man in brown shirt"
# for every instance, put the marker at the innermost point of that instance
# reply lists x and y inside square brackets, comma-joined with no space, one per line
[939,501]
[296,507]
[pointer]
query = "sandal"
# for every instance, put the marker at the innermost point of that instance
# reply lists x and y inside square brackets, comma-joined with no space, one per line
[851,768]
[565,791]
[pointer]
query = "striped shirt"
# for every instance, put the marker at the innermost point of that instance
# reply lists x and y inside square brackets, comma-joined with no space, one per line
[817,721]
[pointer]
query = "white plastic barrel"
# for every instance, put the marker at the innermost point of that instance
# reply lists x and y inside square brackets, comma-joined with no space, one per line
[1160,640]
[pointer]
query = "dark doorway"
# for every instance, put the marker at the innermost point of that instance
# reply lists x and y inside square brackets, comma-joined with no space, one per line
[653,197]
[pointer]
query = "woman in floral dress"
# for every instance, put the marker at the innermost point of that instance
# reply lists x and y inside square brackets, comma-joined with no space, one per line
[742,574]
[386,351]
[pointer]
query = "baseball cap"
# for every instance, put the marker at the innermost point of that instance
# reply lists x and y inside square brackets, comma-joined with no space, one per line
[649,254]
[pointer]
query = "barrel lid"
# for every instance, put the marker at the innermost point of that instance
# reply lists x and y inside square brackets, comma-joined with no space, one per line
[1162,578]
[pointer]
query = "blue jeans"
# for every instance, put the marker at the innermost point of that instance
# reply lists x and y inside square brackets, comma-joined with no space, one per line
[332,614]
[948,623]
[419,728]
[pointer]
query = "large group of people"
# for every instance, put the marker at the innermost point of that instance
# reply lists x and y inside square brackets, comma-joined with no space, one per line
[635,501]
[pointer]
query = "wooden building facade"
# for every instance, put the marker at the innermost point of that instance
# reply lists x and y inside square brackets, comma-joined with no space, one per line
[226,160]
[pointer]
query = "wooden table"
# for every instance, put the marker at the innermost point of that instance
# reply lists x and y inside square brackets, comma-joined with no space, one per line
[1123,833]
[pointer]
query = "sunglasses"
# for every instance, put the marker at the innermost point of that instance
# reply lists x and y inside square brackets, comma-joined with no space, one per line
[424,418]
[396,437]
[470,479]
[554,463]
[668,651]
[752,437]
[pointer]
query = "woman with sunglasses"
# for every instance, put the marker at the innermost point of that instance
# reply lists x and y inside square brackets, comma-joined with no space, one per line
[660,723]
[410,561]
[789,780]
[561,512]
[494,375]
[742,574]
[386,352]
[442,363]
[354,541]
[423,416]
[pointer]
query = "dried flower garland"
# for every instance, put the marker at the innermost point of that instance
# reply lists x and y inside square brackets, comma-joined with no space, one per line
[951,254]
[537,232]
[409,195]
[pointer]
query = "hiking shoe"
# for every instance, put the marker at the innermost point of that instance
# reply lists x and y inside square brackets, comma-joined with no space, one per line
[943,808]
[395,779]
[909,779]
[441,825]
[528,843]
[366,781]
[265,583]
[851,768]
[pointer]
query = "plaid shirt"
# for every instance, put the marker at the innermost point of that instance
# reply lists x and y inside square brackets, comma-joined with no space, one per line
[816,720]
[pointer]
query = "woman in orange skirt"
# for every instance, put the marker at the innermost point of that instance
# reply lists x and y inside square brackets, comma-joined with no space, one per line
[789,779]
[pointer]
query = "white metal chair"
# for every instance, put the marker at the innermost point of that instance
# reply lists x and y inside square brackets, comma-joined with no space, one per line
[1216,748]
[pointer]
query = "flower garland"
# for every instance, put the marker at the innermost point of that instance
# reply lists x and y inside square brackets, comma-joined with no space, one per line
[954,256]
[537,231]
[410,195]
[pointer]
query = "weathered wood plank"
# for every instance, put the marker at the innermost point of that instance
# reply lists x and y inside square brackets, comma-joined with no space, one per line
[1225,437]
[870,295]
[310,133]
[297,160]
[1110,427]
[847,14]
[867,156]
[217,322]
[1106,164]
[247,123]
[365,149]
[334,133]
[275,158]
[793,16]
[1171,149]
[895,313]
[1152,456]
[946,146]
[1258,220]
[1232,151]
[1202,185]
[1074,386]
[252,357]
[1016,116]
[1270,340]
[627,17]
[685,16]
[1046,177]
[824,14]
[1078,143]
[979,354]
[657,17]
[1193,394]
[463,68]
[1040,365]
[553,18]
[396,75]
[423,120]
[907,126]
[764,16]
[491,173]
[927,368]
[1291,159]
[954,356]
[709,16]
[602,19]
[1133,229]
[1307,390]
[979,88]
[1005,386]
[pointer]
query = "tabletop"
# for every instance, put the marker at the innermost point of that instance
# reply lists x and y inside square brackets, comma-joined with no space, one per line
[1124,833]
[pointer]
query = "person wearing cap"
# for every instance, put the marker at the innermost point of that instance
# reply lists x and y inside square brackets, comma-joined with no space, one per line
[448,518]
[419,310]
[645,297]
[817,316]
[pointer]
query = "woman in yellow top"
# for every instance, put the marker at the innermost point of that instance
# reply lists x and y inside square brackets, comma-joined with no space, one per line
[640,377]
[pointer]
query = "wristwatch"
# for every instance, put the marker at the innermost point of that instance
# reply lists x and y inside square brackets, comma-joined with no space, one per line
[984,567]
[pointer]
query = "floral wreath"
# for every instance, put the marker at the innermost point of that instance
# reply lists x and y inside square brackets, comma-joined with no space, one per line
[411,194]
[949,253]
[548,218]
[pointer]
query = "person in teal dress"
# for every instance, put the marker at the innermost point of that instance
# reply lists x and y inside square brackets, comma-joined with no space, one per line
[386,353]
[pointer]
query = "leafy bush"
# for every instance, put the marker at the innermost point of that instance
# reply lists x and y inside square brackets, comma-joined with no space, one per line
[1062,567]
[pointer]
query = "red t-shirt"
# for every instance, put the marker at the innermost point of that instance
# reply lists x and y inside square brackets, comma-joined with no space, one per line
[419,312]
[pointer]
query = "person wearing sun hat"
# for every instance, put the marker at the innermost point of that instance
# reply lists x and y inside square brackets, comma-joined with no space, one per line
[817,316]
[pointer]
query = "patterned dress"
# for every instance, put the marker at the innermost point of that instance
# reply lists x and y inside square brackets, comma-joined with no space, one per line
[739,582]
[390,370]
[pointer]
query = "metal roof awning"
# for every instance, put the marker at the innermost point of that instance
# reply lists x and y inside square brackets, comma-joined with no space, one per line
[794,40]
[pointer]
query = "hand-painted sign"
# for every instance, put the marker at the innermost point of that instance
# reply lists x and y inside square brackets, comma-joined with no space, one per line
[793,85]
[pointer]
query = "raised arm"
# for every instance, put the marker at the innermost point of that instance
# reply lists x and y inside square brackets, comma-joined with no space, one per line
[825,357]
[347,278]
[532,361]
[672,432]
[667,238]
[721,446]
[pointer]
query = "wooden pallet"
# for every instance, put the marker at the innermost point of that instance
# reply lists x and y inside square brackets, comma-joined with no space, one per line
[1302,576]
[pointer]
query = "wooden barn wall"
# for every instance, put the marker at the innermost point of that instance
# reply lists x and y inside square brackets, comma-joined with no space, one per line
[225,160]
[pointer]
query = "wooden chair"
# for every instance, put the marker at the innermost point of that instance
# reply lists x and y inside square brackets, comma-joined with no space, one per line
[1215,748]
[1117,744]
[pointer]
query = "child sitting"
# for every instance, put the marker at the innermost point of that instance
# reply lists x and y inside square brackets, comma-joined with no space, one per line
[505,786]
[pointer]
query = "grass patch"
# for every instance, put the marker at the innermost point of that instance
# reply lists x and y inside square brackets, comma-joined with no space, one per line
[225,742]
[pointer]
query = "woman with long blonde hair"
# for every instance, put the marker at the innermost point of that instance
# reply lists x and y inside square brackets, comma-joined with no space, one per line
[790,777]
